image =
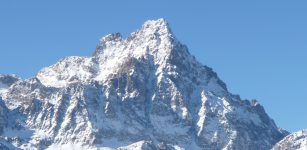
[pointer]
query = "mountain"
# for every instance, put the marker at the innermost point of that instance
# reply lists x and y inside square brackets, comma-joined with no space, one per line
[294,141]
[143,92]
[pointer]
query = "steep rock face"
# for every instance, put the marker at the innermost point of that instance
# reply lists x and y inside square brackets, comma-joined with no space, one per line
[145,91]
[294,141]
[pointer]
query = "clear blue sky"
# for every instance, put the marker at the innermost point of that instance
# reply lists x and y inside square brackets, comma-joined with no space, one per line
[259,48]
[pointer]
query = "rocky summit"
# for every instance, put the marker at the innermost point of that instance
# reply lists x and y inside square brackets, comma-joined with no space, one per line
[143,92]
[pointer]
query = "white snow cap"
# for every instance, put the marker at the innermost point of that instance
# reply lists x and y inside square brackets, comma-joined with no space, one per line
[159,25]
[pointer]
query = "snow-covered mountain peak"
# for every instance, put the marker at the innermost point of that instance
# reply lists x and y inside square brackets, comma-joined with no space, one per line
[145,91]
[153,40]
[161,22]
[152,33]
[159,27]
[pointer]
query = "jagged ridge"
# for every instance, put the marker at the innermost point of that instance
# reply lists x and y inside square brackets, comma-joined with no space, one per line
[296,140]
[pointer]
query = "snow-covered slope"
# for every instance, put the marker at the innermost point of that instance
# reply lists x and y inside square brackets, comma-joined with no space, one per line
[143,92]
[294,141]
